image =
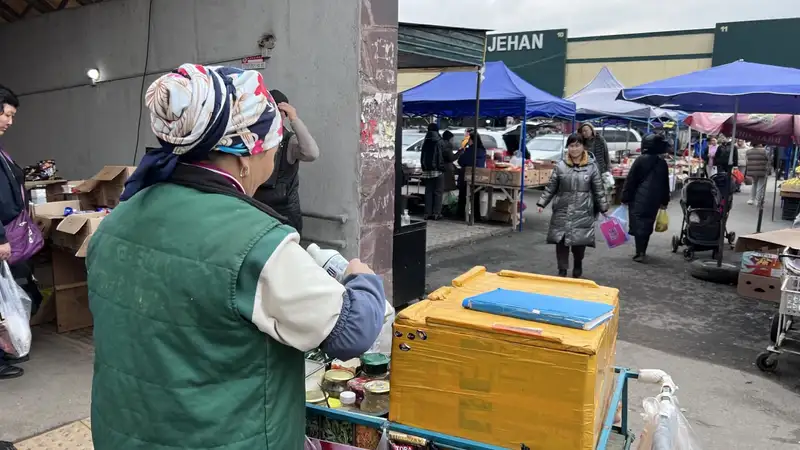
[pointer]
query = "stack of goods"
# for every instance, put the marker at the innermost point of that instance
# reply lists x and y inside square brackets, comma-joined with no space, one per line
[41,171]
[508,381]
[790,194]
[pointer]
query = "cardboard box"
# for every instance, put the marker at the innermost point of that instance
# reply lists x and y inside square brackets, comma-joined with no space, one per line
[105,188]
[759,288]
[771,241]
[513,178]
[73,232]
[482,175]
[70,291]
[48,215]
[54,189]
[503,206]
[762,264]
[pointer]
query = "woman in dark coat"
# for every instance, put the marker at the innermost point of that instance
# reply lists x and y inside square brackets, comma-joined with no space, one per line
[646,190]
[472,151]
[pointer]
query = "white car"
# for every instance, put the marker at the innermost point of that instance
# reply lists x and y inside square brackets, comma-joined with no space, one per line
[412,151]
[621,141]
[548,147]
[492,141]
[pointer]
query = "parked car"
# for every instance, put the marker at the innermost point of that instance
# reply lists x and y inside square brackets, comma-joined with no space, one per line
[549,147]
[621,141]
[412,151]
[492,140]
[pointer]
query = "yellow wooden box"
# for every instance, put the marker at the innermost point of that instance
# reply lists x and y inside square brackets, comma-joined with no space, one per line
[463,373]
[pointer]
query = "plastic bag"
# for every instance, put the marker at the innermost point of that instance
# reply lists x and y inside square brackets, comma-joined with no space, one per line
[608,180]
[384,342]
[15,315]
[662,221]
[665,427]
[613,232]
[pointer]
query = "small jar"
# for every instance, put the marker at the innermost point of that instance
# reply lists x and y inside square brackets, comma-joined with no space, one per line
[335,382]
[376,398]
[375,365]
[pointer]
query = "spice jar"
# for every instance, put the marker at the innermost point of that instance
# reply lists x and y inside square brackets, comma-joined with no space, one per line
[376,398]
[335,382]
[375,365]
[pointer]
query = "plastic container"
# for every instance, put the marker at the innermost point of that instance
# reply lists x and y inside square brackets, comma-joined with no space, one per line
[405,219]
[316,397]
[335,382]
[375,365]
[330,260]
[376,398]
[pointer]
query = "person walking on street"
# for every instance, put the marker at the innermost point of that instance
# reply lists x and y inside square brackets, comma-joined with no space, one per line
[597,147]
[432,159]
[577,193]
[758,169]
[282,191]
[646,190]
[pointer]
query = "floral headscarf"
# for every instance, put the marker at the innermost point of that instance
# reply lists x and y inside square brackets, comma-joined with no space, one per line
[198,109]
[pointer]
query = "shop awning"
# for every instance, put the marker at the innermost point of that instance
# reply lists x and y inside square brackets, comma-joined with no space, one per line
[437,47]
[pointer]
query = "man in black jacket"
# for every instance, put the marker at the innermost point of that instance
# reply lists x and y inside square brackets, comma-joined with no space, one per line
[433,166]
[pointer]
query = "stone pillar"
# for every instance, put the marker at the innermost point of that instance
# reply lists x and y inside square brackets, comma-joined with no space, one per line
[378,94]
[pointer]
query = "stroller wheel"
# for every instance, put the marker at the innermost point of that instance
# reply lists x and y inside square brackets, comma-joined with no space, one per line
[688,254]
[766,362]
[676,242]
[731,237]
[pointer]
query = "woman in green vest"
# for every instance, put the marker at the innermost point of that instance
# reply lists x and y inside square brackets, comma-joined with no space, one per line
[203,302]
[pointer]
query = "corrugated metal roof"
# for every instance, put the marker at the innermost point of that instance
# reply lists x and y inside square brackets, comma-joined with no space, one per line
[430,46]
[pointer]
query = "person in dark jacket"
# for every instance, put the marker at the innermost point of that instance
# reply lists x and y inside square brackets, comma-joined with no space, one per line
[596,146]
[433,167]
[757,168]
[723,161]
[464,161]
[576,191]
[282,191]
[12,203]
[646,190]
[450,156]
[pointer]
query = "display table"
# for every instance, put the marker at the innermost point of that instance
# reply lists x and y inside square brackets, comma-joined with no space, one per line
[509,183]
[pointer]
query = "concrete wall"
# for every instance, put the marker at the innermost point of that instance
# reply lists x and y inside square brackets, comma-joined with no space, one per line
[638,58]
[315,62]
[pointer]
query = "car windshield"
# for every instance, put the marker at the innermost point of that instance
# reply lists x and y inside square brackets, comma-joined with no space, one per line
[546,144]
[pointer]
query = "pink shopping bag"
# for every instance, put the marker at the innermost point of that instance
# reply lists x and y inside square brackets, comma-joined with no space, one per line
[613,232]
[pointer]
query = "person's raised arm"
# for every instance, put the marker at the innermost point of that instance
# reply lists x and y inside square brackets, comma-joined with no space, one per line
[302,145]
[293,300]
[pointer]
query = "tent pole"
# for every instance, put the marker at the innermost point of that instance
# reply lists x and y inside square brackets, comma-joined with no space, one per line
[475,147]
[523,150]
[728,185]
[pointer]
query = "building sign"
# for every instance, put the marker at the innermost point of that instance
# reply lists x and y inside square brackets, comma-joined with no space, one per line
[538,57]
[758,41]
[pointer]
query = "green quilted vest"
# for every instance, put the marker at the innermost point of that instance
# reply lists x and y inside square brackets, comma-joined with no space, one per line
[177,364]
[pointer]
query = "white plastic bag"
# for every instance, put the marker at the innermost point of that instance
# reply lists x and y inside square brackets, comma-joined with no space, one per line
[384,342]
[621,214]
[15,315]
[608,180]
[665,427]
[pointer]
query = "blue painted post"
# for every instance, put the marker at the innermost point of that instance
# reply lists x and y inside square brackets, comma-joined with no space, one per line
[523,135]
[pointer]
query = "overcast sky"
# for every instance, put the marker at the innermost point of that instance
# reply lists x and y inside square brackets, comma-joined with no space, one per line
[593,17]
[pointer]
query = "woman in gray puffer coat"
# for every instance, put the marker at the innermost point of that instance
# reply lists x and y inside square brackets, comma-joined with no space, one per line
[576,190]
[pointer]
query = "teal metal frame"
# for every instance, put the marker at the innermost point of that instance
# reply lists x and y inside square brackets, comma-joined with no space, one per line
[620,394]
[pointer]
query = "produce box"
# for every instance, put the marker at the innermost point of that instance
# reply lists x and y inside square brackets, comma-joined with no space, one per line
[761,264]
[482,175]
[500,380]
[513,178]
[105,188]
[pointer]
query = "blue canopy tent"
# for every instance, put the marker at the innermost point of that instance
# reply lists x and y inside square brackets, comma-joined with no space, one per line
[738,87]
[499,93]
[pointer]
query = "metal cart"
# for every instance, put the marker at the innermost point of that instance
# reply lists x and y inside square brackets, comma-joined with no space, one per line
[612,437]
[785,339]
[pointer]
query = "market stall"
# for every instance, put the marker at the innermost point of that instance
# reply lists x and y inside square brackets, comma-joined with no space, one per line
[738,87]
[499,92]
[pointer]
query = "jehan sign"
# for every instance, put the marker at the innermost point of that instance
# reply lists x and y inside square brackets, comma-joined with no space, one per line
[539,57]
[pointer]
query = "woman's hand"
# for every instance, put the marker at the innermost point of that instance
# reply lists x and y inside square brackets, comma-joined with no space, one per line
[5,252]
[289,110]
[539,209]
[356,267]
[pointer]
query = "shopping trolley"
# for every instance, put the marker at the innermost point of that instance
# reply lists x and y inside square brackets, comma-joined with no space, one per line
[784,338]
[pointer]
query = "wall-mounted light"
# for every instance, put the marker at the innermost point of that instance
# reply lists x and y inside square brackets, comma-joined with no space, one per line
[93,75]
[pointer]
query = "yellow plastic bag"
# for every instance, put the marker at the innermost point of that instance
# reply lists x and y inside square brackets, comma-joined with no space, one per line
[662,221]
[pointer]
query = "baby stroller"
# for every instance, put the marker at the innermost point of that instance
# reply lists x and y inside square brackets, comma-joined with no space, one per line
[703,203]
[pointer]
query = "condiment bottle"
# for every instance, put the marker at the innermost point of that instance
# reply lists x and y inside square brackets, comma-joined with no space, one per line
[348,399]
[330,260]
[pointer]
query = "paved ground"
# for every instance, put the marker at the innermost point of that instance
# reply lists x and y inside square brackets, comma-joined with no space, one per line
[704,335]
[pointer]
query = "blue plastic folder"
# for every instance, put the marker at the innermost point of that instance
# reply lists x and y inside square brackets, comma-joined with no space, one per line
[560,311]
